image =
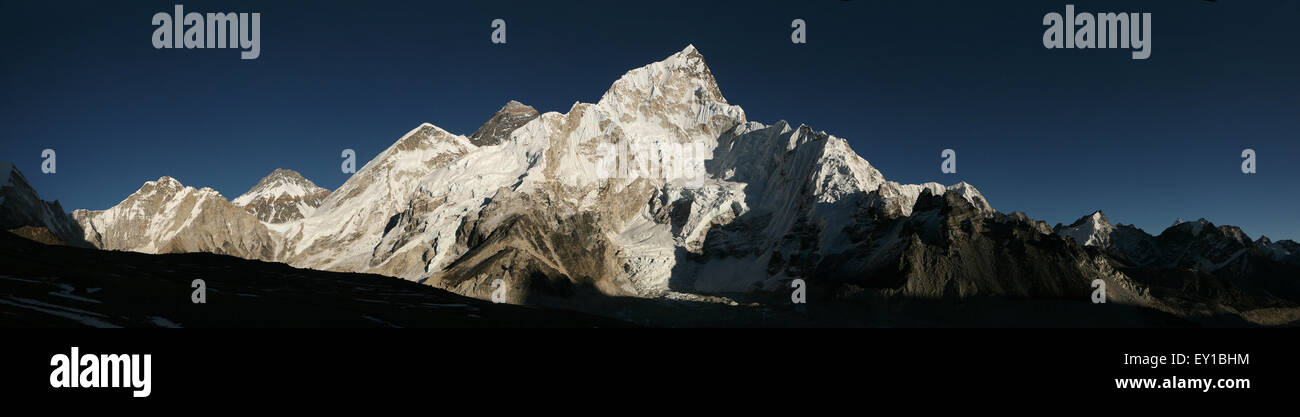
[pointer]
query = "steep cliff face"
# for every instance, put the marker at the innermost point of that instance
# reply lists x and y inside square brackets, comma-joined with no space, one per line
[23,212]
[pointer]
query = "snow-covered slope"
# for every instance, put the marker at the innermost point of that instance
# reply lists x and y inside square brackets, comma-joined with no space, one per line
[343,232]
[165,216]
[282,196]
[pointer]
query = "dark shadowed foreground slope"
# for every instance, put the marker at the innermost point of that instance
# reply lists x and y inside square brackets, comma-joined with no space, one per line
[56,286]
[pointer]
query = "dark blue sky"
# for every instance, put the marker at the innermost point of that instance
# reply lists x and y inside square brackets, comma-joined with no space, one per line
[1053,133]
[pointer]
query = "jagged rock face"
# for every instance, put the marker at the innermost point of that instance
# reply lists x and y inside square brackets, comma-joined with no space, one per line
[1201,245]
[23,211]
[38,234]
[497,129]
[781,201]
[1198,245]
[1222,264]
[947,249]
[536,252]
[1197,266]
[165,216]
[281,197]
[950,249]
[1281,251]
[1133,246]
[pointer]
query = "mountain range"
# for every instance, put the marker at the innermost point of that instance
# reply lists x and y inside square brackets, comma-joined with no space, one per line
[524,200]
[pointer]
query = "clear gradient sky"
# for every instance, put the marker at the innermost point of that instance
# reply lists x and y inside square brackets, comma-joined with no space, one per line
[1053,133]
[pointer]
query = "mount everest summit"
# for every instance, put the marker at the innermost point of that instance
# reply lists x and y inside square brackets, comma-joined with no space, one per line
[523,200]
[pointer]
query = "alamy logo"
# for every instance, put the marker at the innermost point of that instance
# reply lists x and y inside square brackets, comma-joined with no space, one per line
[651,159]
[1105,30]
[102,371]
[216,30]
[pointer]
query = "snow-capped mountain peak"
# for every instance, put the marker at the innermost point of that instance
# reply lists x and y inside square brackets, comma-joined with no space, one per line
[1193,227]
[343,231]
[164,183]
[684,68]
[671,100]
[282,196]
[280,183]
[498,128]
[165,216]
[1090,230]
[395,172]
